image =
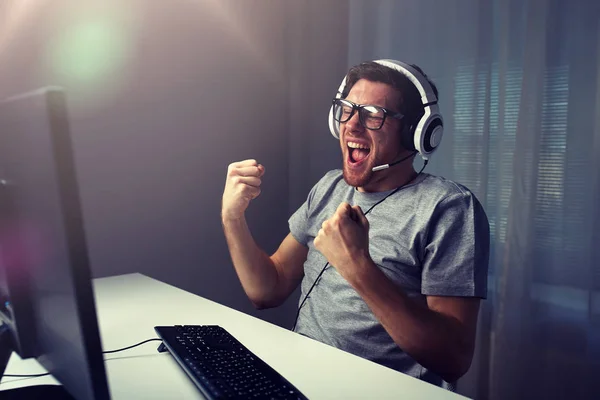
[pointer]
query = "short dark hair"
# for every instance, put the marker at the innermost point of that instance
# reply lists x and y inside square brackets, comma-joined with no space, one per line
[410,104]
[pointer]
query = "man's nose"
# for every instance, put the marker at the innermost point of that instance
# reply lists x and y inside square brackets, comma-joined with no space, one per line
[353,124]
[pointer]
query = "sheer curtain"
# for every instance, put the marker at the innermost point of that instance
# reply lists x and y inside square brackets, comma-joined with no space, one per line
[519,85]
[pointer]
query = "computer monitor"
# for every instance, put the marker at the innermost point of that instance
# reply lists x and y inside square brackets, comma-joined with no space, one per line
[48,307]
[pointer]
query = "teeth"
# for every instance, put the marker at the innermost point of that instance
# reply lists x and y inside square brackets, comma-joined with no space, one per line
[354,145]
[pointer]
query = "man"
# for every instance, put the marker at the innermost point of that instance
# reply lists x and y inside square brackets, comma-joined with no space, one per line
[395,262]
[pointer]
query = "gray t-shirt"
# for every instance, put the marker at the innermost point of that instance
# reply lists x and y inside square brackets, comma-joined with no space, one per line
[430,238]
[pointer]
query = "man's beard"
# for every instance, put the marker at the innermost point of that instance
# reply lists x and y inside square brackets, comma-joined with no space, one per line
[357,180]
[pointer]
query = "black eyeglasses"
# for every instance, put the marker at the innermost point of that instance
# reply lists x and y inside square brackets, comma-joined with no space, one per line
[371,117]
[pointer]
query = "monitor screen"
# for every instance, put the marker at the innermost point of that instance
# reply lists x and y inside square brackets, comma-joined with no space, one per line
[48,304]
[16,308]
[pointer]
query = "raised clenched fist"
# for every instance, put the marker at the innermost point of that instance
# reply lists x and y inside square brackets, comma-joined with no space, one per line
[242,186]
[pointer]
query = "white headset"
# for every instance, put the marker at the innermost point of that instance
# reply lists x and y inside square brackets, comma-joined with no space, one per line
[427,132]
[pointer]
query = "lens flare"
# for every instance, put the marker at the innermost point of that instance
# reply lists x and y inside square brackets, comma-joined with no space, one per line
[90,48]
[89,52]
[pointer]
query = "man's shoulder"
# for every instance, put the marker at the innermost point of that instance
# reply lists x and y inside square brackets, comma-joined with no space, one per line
[443,186]
[332,177]
[330,180]
[438,189]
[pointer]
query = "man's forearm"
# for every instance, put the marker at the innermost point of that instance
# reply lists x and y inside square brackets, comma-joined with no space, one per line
[254,267]
[434,340]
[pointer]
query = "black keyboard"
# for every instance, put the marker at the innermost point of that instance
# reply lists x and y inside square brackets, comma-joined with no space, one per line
[220,366]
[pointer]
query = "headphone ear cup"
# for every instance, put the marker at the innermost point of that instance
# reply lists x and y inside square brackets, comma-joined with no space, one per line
[428,134]
[432,135]
[334,126]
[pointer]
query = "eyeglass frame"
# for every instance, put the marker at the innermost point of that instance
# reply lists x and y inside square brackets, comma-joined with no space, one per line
[386,113]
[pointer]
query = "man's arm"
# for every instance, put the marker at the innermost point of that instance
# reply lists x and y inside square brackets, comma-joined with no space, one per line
[267,281]
[440,335]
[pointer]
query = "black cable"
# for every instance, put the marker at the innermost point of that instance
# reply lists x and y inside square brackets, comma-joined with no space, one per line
[130,347]
[104,352]
[26,376]
[327,263]
[424,165]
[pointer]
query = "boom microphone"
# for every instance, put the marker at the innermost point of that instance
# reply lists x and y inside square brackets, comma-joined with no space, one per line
[385,166]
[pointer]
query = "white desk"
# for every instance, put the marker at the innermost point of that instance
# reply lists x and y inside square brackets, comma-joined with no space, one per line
[129,306]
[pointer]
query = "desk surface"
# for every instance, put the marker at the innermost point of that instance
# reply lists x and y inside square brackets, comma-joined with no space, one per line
[129,306]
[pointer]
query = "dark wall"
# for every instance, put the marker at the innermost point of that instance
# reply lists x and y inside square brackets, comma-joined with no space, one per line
[162,97]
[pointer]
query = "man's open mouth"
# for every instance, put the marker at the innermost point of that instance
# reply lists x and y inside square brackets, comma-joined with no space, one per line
[357,152]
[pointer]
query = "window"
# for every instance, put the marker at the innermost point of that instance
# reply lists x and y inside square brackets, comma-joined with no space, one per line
[560,244]
[479,117]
